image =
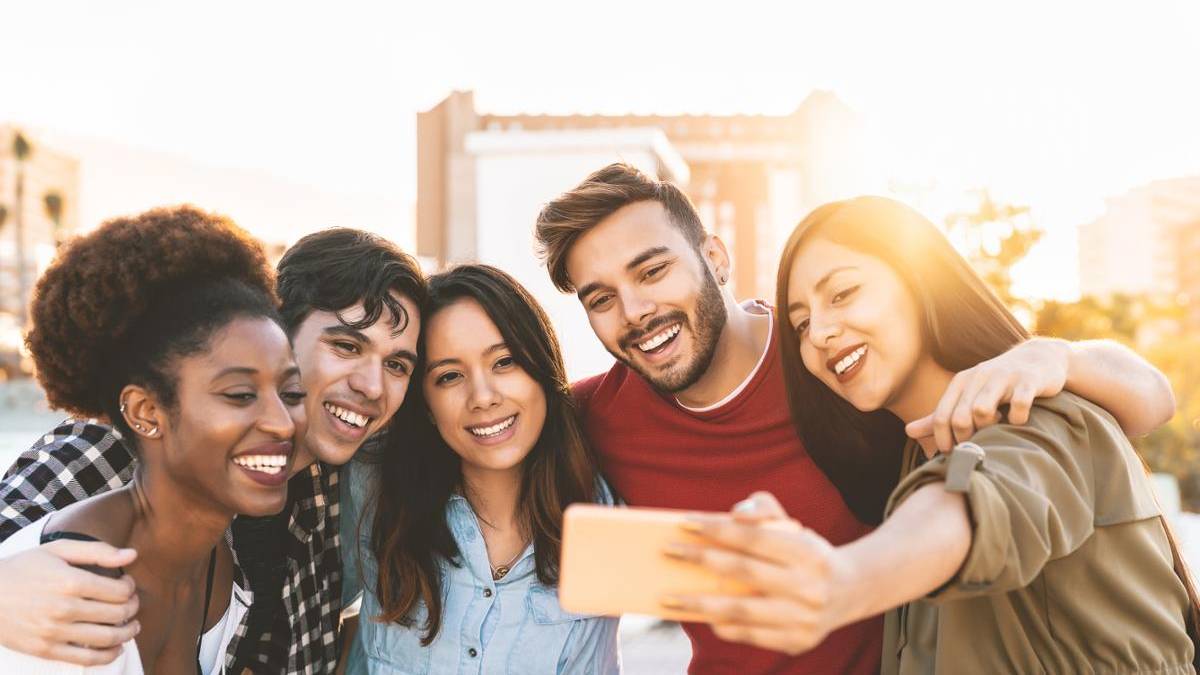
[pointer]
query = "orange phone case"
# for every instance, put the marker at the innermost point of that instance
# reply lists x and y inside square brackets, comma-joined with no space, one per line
[613,563]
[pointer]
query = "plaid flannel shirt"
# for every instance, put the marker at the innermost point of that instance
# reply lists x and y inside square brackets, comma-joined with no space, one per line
[82,458]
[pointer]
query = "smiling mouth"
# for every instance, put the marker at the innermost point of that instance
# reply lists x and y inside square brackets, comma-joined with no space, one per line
[660,339]
[492,430]
[268,464]
[356,420]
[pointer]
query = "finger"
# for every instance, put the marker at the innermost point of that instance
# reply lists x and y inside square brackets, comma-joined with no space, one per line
[920,428]
[83,656]
[762,575]
[89,585]
[782,546]
[96,612]
[985,409]
[962,424]
[720,609]
[759,507]
[1021,403]
[942,433]
[91,553]
[787,640]
[95,636]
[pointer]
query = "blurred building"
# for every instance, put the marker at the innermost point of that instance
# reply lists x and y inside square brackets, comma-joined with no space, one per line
[1146,243]
[482,178]
[48,181]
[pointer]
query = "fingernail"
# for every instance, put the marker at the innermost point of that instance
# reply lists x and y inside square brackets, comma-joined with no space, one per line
[126,551]
[746,506]
[676,550]
[137,627]
[671,602]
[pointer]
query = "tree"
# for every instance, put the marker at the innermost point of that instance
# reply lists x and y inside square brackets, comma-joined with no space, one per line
[53,202]
[21,150]
[993,237]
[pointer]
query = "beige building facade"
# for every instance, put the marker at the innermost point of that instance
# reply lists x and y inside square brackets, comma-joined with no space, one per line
[752,177]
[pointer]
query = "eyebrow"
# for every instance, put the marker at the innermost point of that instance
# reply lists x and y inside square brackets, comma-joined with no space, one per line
[824,280]
[630,266]
[444,362]
[347,331]
[247,370]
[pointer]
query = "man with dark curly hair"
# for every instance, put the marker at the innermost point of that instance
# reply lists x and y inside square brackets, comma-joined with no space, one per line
[350,302]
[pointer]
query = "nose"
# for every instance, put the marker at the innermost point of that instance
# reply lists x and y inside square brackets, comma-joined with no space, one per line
[280,420]
[635,307]
[367,379]
[822,328]
[483,394]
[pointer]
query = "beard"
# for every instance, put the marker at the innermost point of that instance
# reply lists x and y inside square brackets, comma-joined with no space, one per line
[706,333]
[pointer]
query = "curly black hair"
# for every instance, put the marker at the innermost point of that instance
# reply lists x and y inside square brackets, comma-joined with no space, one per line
[122,304]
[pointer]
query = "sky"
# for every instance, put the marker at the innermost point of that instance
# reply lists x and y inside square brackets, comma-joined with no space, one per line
[1054,105]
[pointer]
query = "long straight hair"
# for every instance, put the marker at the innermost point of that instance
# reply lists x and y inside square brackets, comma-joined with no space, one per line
[420,472]
[962,323]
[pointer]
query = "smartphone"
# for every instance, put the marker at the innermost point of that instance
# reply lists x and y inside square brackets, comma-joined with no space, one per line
[613,562]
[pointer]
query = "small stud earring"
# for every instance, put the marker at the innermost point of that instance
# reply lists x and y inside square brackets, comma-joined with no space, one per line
[122,408]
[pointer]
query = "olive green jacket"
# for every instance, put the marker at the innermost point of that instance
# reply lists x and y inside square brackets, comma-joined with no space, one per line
[1070,569]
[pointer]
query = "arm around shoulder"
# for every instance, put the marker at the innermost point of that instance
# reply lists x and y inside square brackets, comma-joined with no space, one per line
[1119,380]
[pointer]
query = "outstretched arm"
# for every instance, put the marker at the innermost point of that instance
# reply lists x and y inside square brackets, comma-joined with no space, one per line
[809,588]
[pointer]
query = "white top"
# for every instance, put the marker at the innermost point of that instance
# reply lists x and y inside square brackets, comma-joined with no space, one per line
[213,643]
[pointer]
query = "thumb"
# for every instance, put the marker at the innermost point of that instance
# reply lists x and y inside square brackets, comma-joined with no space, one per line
[759,507]
[90,553]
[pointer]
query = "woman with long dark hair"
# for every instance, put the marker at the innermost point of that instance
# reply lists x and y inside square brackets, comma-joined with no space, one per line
[166,325]
[459,520]
[1030,548]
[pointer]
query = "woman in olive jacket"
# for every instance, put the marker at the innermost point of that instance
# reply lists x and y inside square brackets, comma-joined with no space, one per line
[1036,546]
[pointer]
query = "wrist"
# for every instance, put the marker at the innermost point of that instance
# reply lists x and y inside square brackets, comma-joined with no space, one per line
[848,581]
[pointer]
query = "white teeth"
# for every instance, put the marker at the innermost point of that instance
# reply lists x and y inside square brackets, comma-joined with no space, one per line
[351,418]
[851,359]
[658,340]
[269,464]
[494,429]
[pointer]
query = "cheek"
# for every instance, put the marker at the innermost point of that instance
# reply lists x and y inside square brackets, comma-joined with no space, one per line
[813,363]
[397,390]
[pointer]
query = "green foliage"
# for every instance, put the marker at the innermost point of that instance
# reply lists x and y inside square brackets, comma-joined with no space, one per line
[1000,235]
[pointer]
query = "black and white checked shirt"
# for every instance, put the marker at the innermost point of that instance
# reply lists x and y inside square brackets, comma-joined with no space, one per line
[289,630]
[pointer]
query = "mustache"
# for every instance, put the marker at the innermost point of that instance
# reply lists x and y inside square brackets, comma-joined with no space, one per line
[636,335]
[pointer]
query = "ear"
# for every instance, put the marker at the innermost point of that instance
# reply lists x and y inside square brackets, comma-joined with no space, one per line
[716,256]
[142,412]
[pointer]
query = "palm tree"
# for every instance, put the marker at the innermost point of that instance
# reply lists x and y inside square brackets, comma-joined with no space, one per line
[53,202]
[21,150]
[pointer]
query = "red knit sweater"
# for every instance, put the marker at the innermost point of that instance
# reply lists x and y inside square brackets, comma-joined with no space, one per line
[656,453]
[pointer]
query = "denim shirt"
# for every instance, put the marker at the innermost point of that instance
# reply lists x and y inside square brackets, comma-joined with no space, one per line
[507,627]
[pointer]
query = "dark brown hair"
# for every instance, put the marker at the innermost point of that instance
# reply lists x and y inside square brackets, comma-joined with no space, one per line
[963,323]
[122,303]
[617,185]
[334,269]
[419,472]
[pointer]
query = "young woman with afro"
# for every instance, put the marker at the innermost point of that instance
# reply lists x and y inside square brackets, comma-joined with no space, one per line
[166,325]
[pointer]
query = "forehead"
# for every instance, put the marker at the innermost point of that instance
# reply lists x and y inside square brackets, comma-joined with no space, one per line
[609,245]
[382,330]
[460,329]
[248,341]
[817,258]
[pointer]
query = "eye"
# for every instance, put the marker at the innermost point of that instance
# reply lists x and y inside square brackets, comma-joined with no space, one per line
[801,326]
[293,397]
[842,295]
[345,346]
[240,397]
[447,377]
[398,367]
[505,362]
[600,301]
[655,272]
